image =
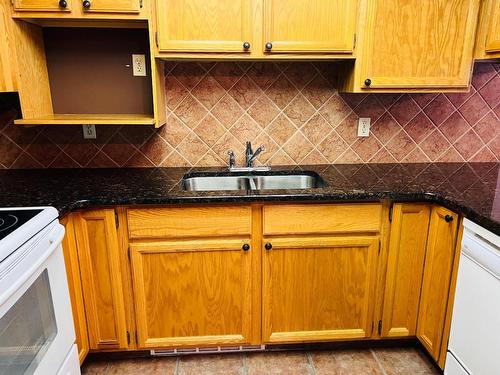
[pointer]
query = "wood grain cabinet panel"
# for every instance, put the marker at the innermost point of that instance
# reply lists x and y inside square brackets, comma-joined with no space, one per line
[182,222]
[438,267]
[192,292]
[315,26]
[114,6]
[318,289]
[321,219]
[41,5]
[492,45]
[7,54]
[405,266]
[75,287]
[417,44]
[101,272]
[204,25]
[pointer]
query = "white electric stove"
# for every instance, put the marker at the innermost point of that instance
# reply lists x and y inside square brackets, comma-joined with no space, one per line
[36,325]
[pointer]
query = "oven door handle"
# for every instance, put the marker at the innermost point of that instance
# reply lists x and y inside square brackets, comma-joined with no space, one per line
[55,240]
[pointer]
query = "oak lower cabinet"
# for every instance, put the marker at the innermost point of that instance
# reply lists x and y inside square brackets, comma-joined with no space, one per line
[439,263]
[102,280]
[75,287]
[7,62]
[193,292]
[318,288]
[405,266]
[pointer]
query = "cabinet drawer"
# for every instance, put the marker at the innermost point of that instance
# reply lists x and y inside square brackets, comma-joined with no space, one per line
[179,222]
[318,219]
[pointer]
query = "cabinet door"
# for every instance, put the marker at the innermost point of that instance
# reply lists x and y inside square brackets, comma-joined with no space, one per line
[493,30]
[41,5]
[99,256]
[436,280]
[7,80]
[408,240]
[204,25]
[419,44]
[322,26]
[192,292]
[114,6]
[75,287]
[318,289]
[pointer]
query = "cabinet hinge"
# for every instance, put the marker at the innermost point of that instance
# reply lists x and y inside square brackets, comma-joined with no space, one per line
[128,254]
[373,326]
[379,327]
[141,3]
[354,41]
[117,222]
[390,213]
[128,337]
[136,338]
[156,38]
[379,245]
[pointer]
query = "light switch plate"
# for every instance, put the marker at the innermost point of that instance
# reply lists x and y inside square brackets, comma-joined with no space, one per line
[139,65]
[89,132]
[364,126]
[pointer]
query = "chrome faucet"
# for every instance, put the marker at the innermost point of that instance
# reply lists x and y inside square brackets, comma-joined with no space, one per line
[250,157]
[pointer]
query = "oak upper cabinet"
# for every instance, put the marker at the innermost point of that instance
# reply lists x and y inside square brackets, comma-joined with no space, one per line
[7,55]
[405,266]
[205,25]
[111,6]
[193,277]
[488,35]
[75,287]
[317,286]
[438,268]
[315,26]
[415,44]
[101,273]
[43,5]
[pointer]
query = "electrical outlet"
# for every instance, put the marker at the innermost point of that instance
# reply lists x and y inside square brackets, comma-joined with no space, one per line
[364,127]
[89,132]
[139,65]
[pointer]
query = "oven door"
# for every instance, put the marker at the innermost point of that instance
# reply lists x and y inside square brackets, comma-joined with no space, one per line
[36,325]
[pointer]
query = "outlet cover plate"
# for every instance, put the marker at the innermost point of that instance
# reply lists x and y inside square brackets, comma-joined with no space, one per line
[89,132]
[364,126]
[139,65]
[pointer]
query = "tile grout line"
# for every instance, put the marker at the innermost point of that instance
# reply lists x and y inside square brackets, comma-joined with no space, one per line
[176,369]
[311,363]
[245,364]
[378,362]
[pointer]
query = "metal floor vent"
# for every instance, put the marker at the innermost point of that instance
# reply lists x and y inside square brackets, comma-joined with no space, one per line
[208,350]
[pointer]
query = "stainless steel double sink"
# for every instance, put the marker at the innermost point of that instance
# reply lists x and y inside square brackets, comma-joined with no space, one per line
[267,181]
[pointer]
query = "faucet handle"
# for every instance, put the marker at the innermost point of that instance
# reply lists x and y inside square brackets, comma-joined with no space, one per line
[232,159]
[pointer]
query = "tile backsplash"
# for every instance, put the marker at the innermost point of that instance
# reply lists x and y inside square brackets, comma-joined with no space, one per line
[293,109]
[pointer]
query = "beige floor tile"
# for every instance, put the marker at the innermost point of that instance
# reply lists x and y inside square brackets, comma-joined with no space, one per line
[345,362]
[145,366]
[405,361]
[291,363]
[95,368]
[225,364]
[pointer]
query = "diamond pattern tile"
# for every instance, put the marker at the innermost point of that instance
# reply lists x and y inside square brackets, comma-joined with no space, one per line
[292,108]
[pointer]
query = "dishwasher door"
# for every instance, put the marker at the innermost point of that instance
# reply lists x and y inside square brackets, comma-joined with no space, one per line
[475,339]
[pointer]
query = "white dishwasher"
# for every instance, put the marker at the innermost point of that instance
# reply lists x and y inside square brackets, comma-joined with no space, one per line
[474,346]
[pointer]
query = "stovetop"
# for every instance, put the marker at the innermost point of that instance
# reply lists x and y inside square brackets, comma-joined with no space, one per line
[13,219]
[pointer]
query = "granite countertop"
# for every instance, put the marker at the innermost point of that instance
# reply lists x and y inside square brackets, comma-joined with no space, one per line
[469,188]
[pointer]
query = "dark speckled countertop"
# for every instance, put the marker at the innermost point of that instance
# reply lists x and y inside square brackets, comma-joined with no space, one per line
[469,188]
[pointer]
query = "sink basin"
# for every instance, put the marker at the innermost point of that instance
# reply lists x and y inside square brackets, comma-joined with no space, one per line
[303,180]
